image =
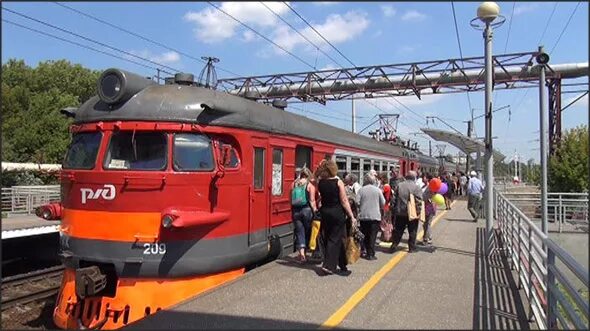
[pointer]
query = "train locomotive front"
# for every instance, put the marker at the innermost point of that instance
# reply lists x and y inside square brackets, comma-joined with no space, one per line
[154,202]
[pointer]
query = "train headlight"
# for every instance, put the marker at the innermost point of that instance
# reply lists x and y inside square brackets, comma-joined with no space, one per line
[115,85]
[167,221]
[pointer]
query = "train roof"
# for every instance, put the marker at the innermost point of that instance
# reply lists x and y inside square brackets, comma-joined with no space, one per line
[193,104]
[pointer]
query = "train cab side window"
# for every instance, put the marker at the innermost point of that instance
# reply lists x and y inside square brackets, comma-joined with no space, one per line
[234,160]
[258,168]
[277,172]
[137,151]
[83,150]
[302,158]
[192,152]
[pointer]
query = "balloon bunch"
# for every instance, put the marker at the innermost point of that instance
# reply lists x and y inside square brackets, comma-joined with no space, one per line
[436,186]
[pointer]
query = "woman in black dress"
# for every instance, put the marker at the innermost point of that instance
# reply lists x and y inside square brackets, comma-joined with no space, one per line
[333,210]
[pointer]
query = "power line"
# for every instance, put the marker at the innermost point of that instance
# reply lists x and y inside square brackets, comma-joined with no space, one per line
[460,52]
[262,36]
[84,46]
[506,47]
[324,115]
[140,36]
[547,24]
[301,34]
[89,39]
[319,34]
[565,27]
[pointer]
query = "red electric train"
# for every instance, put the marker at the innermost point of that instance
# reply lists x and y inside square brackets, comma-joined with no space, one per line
[170,190]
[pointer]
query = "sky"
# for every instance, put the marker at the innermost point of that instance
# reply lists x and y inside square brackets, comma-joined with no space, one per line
[367,33]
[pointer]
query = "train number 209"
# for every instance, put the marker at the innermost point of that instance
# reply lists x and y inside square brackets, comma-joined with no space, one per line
[154,248]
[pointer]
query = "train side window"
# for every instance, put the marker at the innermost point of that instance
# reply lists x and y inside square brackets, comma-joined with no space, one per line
[277,172]
[192,152]
[302,157]
[258,167]
[137,151]
[341,164]
[83,150]
[234,160]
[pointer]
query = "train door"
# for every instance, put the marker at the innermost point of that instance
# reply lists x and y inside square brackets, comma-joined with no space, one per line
[258,227]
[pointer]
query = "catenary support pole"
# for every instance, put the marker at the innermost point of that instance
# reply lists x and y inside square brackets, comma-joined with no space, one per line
[489,152]
[543,138]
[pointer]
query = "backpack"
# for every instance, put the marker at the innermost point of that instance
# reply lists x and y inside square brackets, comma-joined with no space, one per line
[299,195]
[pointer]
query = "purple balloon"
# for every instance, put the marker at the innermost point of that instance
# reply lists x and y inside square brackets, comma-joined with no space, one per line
[443,188]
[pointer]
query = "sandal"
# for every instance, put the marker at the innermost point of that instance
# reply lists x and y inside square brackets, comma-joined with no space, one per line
[327,271]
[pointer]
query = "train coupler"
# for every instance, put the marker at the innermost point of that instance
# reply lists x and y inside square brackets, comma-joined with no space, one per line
[89,281]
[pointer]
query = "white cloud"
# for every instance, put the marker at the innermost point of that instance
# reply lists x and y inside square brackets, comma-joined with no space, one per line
[164,58]
[248,36]
[337,29]
[388,10]
[522,9]
[214,26]
[328,66]
[413,15]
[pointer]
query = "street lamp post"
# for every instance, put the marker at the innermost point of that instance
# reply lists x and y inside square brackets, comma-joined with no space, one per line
[487,13]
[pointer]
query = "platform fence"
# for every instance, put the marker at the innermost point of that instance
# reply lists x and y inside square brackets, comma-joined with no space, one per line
[23,200]
[544,270]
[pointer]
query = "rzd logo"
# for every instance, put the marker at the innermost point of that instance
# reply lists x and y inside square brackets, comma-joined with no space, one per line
[107,193]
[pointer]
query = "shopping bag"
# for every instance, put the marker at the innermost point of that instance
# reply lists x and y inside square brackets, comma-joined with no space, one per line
[315,230]
[353,250]
[412,212]
[386,227]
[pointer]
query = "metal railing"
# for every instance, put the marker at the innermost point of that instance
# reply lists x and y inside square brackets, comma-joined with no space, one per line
[561,206]
[24,199]
[553,300]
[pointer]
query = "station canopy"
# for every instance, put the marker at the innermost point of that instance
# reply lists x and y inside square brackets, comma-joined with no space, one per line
[464,143]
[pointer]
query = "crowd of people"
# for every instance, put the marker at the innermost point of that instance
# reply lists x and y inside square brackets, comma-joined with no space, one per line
[343,206]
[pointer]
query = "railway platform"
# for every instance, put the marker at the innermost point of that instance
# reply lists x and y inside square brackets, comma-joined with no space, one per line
[449,285]
[15,226]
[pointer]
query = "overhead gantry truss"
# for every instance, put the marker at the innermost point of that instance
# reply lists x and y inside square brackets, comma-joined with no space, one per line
[515,70]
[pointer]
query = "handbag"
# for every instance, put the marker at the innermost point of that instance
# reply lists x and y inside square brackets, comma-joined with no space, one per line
[412,213]
[315,229]
[386,227]
[353,250]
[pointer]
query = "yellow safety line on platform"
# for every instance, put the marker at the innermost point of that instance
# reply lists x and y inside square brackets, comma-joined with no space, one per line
[360,294]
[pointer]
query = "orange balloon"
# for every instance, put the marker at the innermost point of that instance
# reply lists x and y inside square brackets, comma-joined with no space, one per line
[434,185]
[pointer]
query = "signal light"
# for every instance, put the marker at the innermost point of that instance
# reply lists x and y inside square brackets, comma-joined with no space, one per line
[167,221]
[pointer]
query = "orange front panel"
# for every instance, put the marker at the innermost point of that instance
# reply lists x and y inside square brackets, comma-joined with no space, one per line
[114,226]
[135,299]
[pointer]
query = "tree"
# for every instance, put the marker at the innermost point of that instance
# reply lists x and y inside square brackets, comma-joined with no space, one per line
[33,130]
[568,168]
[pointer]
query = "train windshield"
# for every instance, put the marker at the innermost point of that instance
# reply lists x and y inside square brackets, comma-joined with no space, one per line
[193,152]
[83,150]
[136,150]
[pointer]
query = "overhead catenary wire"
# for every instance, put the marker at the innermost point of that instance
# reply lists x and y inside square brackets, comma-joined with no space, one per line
[547,24]
[261,35]
[302,35]
[319,34]
[565,27]
[90,39]
[85,46]
[135,34]
[337,50]
[460,51]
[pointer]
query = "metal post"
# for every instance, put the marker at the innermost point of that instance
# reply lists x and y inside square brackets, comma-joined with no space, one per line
[430,148]
[353,117]
[543,150]
[469,128]
[489,156]
[551,301]
[561,213]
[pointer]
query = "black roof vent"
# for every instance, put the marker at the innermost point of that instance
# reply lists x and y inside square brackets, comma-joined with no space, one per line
[184,79]
[281,104]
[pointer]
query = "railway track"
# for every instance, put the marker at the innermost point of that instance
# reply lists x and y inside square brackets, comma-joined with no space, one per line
[30,287]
